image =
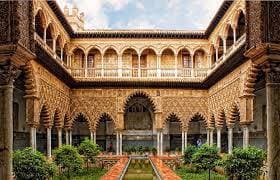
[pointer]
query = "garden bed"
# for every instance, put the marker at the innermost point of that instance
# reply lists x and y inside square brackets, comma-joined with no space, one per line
[91,174]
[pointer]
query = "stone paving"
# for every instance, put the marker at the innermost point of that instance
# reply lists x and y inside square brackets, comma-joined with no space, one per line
[116,170]
[165,172]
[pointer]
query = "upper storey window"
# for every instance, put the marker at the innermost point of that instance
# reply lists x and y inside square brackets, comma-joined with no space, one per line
[186,58]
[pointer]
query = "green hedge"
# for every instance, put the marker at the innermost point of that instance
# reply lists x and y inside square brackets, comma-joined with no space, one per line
[29,164]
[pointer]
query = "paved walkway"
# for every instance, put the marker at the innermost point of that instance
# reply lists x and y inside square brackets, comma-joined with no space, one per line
[165,172]
[116,170]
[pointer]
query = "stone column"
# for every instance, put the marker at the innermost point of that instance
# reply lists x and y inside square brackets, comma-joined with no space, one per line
[158,146]
[120,143]
[91,136]
[59,135]
[217,53]
[234,35]
[33,137]
[117,143]
[61,54]
[70,137]
[94,137]
[183,142]
[230,136]
[8,73]
[219,129]
[245,136]
[208,136]
[45,35]
[161,143]
[67,136]
[139,65]
[49,142]
[176,65]
[273,120]
[186,138]
[86,65]
[211,136]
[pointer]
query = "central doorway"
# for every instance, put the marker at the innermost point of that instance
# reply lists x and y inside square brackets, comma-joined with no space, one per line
[139,124]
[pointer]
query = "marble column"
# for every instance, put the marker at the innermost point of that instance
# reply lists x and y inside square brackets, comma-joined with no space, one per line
[273,121]
[117,143]
[245,136]
[208,137]
[217,53]
[186,138]
[94,137]
[230,136]
[139,65]
[161,143]
[219,129]
[158,146]
[91,136]
[8,73]
[67,136]
[59,135]
[176,65]
[70,137]
[183,142]
[211,136]
[121,143]
[33,142]
[49,142]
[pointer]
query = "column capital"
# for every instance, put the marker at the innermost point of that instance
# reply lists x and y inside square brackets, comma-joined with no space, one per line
[272,71]
[8,72]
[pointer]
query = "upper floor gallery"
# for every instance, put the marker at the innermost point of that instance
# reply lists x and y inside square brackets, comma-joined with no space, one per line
[126,54]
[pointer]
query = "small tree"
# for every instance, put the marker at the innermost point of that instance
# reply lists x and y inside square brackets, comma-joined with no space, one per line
[206,158]
[244,163]
[68,158]
[31,164]
[188,153]
[89,150]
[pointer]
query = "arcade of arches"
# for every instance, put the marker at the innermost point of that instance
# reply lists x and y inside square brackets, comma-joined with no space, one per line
[156,88]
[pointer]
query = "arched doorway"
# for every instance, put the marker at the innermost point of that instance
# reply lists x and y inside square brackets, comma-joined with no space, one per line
[80,129]
[197,130]
[139,123]
[105,137]
[173,126]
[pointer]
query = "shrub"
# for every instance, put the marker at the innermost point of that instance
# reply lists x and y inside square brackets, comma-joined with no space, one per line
[188,153]
[31,164]
[244,163]
[89,150]
[68,158]
[206,157]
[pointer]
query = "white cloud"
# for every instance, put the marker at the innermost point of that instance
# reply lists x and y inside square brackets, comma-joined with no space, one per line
[116,4]
[139,5]
[171,14]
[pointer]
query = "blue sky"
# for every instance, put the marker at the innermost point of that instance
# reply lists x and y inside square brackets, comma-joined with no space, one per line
[146,14]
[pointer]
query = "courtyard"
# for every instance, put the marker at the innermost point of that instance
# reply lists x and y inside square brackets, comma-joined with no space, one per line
[90,91]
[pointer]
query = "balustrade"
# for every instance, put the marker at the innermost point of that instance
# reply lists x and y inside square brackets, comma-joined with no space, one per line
[144,72]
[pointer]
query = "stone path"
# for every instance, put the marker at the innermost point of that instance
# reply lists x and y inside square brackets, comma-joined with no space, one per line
[116,170]
[164,171]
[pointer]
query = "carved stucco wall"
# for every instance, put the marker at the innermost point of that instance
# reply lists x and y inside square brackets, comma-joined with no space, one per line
[53,93]
[226,95]
[95,102]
